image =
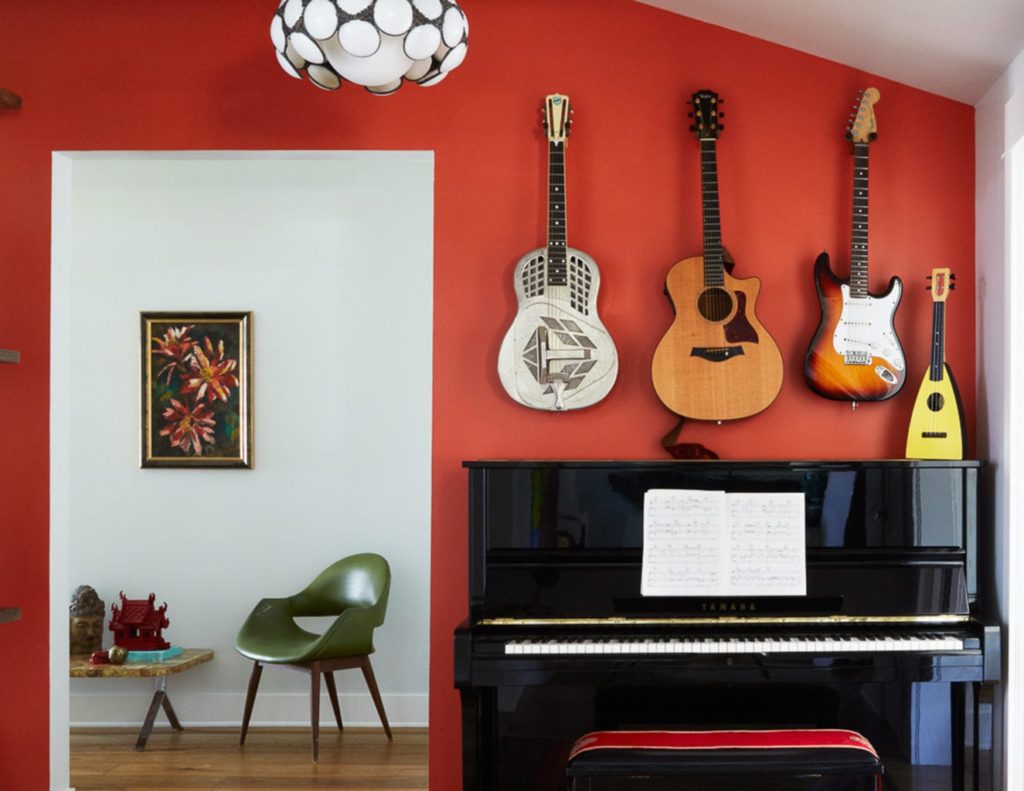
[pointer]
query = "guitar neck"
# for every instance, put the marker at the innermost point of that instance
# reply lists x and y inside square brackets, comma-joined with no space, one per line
[859,224]
[556,214]
[713,273]
[938,341]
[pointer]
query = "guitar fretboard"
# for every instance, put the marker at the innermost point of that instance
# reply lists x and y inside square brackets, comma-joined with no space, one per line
[938,341]
[713,275]
[859,225]
[556,214]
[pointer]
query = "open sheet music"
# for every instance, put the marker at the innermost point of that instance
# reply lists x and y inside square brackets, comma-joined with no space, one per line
[708,543]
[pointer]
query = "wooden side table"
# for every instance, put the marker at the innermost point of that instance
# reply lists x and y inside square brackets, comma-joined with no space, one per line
[158,671]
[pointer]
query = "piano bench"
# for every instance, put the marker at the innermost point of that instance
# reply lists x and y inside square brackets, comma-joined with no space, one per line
[812,759]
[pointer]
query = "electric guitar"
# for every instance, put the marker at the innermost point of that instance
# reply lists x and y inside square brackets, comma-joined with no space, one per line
[557,355]
[855,354]
[937,422]
[716,361]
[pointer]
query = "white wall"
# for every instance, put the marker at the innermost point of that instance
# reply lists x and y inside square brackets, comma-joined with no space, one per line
[999,125]
[333,255]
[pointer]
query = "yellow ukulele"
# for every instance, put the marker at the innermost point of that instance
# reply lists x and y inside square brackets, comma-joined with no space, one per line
[937,423]
[716,361]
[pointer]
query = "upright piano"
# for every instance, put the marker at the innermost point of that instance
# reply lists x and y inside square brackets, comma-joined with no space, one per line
[559,640]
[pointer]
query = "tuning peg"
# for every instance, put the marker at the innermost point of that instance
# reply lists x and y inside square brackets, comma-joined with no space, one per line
[693,128]
[721,127]
[927,288]
[721,115]
[952,286]
[927,277]
[952,277]
[721,101]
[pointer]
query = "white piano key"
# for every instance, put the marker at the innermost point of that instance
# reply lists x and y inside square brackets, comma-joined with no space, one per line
[710,646]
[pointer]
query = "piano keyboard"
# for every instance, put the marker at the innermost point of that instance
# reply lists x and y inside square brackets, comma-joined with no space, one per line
[801,644]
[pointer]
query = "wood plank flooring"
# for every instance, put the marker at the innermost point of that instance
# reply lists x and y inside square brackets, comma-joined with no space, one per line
[271,760]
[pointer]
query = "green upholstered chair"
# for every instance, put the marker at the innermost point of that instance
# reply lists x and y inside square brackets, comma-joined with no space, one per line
[355,589]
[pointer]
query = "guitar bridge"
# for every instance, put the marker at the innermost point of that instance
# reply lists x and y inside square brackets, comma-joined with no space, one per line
[716,354]
[857,358]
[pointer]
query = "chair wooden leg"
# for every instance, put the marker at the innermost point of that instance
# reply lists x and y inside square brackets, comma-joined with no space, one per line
[332,692]
[250,698]
[314,706]
[371,682]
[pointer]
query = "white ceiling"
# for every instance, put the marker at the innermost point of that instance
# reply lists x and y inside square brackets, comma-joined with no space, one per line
[955,48]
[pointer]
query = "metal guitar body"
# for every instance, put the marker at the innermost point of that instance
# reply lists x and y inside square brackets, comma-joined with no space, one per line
[557,355]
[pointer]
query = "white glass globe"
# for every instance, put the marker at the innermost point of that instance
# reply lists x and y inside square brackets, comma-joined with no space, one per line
[383,67]
[374,43]
[321,19]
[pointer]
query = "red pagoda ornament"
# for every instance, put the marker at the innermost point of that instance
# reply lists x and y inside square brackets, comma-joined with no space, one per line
[137,624]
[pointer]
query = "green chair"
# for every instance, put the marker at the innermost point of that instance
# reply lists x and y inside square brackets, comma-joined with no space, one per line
[355,589]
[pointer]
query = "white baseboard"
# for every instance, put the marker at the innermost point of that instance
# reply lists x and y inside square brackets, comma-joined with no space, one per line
[272,709]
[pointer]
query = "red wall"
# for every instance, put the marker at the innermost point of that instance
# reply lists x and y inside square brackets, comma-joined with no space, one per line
[201,75]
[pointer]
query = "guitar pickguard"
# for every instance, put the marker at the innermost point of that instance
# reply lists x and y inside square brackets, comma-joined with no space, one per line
[865,331]
[740,330]
[557,355]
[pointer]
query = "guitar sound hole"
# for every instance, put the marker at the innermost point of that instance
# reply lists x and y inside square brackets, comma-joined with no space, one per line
[714,304]
[936,402]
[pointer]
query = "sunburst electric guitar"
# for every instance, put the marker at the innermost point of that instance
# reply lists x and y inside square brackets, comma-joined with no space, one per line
[716,362]
[557,355]
[937,422]
[855,354]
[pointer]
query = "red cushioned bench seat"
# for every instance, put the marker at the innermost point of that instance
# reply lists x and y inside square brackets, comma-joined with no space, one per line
[805,759]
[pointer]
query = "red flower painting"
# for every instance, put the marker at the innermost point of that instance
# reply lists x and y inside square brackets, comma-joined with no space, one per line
[188,426]
[210,374]
[196,401]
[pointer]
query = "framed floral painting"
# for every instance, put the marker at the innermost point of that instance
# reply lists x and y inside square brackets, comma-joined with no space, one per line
[196,389]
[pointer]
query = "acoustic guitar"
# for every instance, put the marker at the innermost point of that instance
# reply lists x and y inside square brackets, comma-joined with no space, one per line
[855,354]
[557,355]
[716,361]
[937,422]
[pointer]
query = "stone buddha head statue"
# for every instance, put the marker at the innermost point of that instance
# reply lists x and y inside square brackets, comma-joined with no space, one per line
[86,620]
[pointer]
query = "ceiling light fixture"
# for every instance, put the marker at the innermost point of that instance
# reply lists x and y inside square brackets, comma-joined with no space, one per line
[374,43]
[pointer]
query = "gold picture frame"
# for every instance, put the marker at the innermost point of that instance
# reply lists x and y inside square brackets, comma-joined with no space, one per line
[196,389]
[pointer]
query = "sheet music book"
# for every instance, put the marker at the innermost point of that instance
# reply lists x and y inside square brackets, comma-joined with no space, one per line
[708,543]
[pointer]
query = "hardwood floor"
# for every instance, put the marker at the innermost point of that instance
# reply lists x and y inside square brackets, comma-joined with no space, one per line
[271,760]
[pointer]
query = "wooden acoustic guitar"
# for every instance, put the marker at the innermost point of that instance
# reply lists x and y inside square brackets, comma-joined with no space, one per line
[937,422]
[557,355]
[855,354]
[716,362]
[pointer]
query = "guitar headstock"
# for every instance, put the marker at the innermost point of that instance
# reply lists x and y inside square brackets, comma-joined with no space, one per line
[706,116]
[862,127]
[557,118]
[943,281]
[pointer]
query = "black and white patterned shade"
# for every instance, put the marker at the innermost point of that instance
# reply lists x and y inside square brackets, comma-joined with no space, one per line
[374,43]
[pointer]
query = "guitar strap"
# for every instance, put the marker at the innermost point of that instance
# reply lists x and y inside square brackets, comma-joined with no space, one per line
[684,450]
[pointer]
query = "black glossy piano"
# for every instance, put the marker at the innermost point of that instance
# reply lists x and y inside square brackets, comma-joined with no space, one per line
[887,641]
